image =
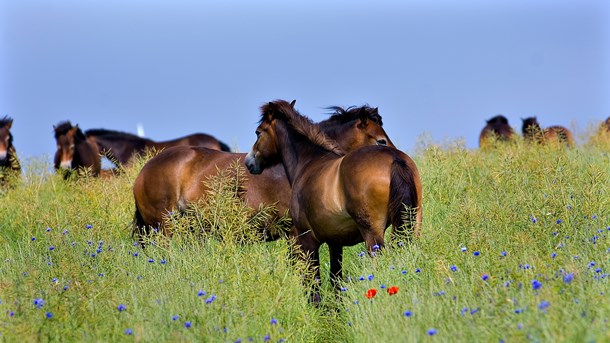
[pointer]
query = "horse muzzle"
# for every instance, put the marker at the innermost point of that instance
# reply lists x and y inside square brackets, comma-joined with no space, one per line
[66,164]
[3,155]
[251,164]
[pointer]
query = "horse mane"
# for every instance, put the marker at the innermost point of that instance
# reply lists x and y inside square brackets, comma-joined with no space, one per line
[62,128]
[5,121]
[342,115]
[112,133]
[281,109]
[499,119]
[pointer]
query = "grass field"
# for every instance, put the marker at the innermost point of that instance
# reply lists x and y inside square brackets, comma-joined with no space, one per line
[515,247]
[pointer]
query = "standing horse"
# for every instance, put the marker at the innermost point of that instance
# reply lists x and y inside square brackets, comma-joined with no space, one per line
[8,156]
[532,132]
[121,146]
[497,127]
[338,198]
[74,150]
[173,179]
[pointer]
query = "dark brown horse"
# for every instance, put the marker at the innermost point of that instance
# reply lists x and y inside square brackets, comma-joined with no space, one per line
[338,198]
[75,151]
[9,163]
[532,132]
[120,147]
[497,127]
[173,179]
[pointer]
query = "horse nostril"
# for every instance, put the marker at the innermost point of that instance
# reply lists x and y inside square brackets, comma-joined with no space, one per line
[382,142]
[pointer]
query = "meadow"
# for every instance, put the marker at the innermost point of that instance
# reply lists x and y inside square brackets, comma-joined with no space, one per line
[514,247]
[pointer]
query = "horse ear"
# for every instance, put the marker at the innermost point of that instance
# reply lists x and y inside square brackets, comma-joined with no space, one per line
[9,124]
[364,116]
[293,102]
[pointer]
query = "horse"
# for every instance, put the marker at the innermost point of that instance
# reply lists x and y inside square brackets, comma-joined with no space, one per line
[74,150]
[499,128]
[120,147]
[9,163]
[338,198]
[532,132]
[173,179]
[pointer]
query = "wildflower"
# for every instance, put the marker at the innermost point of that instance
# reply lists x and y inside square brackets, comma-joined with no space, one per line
[417,270]
[408,313]
[163,262]
[210,299]
[371,277]
[66,287]
[503,253]
[393,290]
[128,331]
[375,247]
[65,231]
[463,249]
[432,332]
[187,325]
[273,321]
[591,264]
[484,277]
[150,260]
[51,248]
[38,302]
[88,226]
[519,310]
[453,268]
[48,229]
[361,278]
[534,220]
[598,270]
[558,221]
[473,311]
[553,255]
[49,315]
[343,289]
[121,307]
[403,272]
[267,338]
[11,314]
[33,238]
[476,253]
[543,305]
[362,253]
[536,284]
[175,317]
[464,310]
[370,294]
[54,279]
[135,254]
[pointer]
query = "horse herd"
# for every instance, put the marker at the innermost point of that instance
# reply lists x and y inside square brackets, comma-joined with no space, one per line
[342,181]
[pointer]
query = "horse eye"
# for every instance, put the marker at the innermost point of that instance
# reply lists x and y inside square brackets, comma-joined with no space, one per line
[382,142]
[258,133]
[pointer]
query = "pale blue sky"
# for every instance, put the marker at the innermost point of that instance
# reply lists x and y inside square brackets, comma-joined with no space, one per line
[178,67]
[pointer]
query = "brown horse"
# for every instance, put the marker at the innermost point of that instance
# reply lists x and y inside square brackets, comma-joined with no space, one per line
[173,179]
[338,198]
[9,163]
[499,128]
[532,132]
[120,147]
[75,151]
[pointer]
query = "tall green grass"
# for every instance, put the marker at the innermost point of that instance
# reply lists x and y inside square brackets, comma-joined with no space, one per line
[514,247]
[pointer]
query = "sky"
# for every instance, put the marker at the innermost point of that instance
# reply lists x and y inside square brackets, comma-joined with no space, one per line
[436,69]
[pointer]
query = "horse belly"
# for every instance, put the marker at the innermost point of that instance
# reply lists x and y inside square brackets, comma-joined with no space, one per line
[336,228]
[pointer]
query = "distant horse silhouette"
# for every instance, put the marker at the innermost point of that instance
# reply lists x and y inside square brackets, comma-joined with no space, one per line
[9,163]
[173,179]
[74,150]
[337,198]
[532,132]
[605,127]
[499,128]
[121,147]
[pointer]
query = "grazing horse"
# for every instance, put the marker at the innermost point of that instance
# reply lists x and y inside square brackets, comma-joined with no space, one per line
[338,198]
[499,128]
[74,150]
[8,156]
[121,146]
[532,132]
[173,179]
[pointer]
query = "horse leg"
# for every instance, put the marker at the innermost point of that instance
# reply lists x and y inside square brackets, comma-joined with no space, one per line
[309,247]
[372,234]
[336,258]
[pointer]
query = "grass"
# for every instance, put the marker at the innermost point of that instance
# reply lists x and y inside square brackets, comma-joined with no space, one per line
[514,247]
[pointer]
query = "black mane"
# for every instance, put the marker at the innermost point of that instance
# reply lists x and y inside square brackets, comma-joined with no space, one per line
[343,115]
[499,119]
[5,121]
[62,128]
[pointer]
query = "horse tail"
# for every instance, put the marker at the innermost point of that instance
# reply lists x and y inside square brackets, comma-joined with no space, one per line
[138,225]
[404,210]
[224,147]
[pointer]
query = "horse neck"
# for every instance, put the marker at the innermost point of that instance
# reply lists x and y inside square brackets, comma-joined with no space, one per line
[86,154]
[296,151]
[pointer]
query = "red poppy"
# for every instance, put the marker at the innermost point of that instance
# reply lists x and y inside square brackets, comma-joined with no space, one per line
[393,290]
[370,294]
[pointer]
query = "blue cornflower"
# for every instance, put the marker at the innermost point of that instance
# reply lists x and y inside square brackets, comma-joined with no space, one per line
[362,253]
[100,274]
[54,279]
[343,289]
[48,229]
[543,305]
[536,284]
[273,321]
[210,299]
[553,255]
[150,260]
[375,247]
[463,249]
[51,248]
[38,302]
[135,254]
[267,338]
[484,277]
[476,253]
[121,307]
[163,262]
[65,231]
[66,287]
[503,253]
[175,317]
[361,278]
[519,310]
[403,272]
[88,226]
[558,221]
[464,310]
[371,277]
[534,220]
[408,313]
[591,264]
[432,332]
[237,340]
[128,331]
[453,268]
[473,311]
[187,325]
[200,293]
[49,315]
[11,314]
[417,270]
[33,238]
[598,270]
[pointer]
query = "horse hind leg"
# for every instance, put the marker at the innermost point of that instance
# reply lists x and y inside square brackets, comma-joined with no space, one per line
[336,268]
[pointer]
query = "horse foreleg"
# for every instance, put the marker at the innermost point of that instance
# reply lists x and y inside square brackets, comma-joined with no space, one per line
[336,269]
[310,253]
